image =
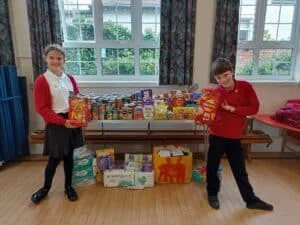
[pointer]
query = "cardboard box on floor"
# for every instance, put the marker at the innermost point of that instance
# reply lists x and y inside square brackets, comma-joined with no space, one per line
[172,169]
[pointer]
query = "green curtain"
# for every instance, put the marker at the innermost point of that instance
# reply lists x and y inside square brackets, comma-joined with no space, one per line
[226,31]
[177,42]
[7,56]
[44,24]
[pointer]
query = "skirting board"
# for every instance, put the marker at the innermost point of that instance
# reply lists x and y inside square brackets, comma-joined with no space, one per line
[254,155]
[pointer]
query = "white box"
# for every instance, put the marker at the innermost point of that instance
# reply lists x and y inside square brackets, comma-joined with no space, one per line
[145,179]
[118,178]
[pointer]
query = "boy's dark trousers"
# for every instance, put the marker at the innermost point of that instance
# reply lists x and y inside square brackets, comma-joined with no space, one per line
[234,152]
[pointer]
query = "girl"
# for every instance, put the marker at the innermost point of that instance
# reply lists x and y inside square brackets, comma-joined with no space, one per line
[51,95]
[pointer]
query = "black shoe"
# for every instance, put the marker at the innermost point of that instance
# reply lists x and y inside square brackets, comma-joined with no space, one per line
[39,195]
[214,201]
[259,204]
[71,193]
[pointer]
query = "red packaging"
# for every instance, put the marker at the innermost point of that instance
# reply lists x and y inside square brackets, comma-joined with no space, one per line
[78,124]
[208,105]
[178,98]
[79,110]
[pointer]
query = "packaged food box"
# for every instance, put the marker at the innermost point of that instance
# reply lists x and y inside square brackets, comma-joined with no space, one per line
[145,179]
[118,178]
[172,169]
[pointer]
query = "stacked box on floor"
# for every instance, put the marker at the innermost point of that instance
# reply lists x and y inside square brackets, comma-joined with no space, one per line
[126,178]
[118,178]
[145,179]
[105,159]
[142,165]
[170,165]
[83,172]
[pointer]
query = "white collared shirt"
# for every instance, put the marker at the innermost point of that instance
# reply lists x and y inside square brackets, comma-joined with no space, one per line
[60,88]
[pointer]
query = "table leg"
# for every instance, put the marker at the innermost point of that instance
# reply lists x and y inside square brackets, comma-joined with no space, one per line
[284,140]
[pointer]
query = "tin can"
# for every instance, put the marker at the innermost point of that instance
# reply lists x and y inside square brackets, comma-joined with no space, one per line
[119,103]
[138,113]
[113,103]
[115,114]
[129,113]
[95,111]
[138,95]
[108,115]
[109,106]
[123,113]
[102,108]
[102,116]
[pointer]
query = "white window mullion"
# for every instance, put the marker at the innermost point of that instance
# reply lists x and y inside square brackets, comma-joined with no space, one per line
[121,44]
[296,21]
[296,42]
[76,44]
[78,52]
[255,61]
[137,32]
[62,17]
[98,26]
[117,43]
[261,8]
[278,22]
[260,20]
[253,44]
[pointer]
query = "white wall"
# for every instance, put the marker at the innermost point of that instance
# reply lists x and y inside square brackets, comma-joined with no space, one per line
[271,96]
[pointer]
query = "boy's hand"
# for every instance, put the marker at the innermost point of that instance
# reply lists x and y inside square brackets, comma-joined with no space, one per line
[228,107]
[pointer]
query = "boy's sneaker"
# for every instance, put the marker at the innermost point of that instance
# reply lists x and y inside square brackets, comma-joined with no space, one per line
[214,201]
[260,204]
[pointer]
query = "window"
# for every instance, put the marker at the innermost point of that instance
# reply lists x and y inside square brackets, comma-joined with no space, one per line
[111,40]
[268,39]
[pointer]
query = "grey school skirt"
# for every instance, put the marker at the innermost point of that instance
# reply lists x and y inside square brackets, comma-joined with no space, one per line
[61,141]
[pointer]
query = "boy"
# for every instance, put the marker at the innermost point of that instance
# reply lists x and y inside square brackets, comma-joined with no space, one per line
[238,100]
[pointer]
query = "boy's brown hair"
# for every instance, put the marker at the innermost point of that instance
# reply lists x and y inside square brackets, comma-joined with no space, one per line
[221,65]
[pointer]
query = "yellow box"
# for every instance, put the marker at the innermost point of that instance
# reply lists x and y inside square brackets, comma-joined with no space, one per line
[172,169]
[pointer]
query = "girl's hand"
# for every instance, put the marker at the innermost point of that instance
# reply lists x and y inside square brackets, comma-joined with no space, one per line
[72,124]
[227,107]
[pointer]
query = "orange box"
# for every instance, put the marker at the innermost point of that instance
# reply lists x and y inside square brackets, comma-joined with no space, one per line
[172,169]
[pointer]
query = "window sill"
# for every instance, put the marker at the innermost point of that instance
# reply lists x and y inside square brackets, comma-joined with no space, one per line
[121,84]
[292,83]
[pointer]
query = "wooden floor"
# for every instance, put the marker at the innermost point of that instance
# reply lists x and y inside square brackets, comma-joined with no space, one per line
[275,180]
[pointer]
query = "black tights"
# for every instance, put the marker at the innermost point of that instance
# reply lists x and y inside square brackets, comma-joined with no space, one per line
[51,168]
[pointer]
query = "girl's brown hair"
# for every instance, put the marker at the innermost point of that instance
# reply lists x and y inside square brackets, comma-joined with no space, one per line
[54,47]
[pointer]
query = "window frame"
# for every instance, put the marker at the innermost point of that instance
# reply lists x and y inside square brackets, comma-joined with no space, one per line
[258,44]
[135,43]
